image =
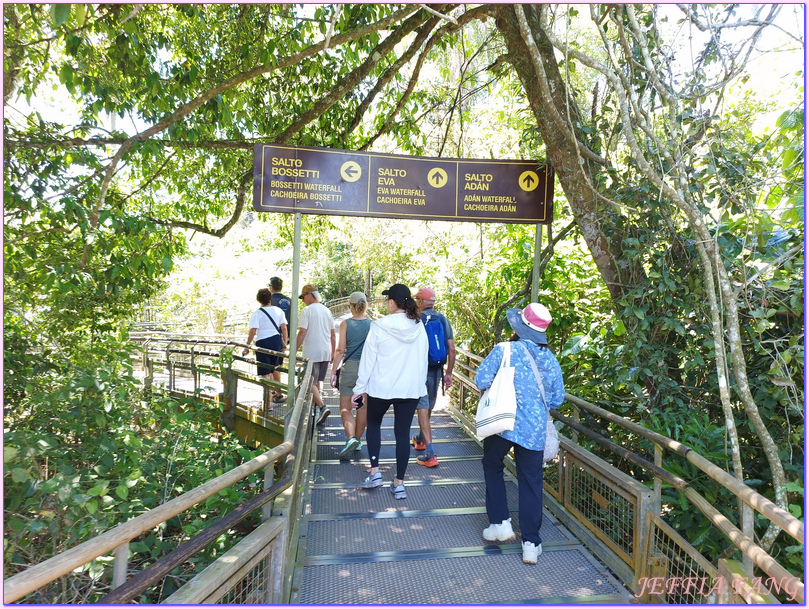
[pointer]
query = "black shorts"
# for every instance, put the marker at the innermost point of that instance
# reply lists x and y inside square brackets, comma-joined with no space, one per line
[273,343]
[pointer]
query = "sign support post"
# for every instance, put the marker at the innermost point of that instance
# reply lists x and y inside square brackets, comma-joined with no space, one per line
[537,255]
[293,318]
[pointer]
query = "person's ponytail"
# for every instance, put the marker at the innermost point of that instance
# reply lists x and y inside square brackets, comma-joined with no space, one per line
[411,309]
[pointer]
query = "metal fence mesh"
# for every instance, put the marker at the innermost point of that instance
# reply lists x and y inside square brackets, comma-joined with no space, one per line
[550,476]
[607,510]
[685,576]
[253,589]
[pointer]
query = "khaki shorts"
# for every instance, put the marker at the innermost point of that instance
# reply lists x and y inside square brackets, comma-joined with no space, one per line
[348,377]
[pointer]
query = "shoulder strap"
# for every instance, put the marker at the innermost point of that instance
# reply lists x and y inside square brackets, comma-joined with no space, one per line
[506,361]
[537,375]
[272,321]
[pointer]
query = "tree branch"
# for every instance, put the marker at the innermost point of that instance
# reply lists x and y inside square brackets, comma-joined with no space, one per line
[244,183]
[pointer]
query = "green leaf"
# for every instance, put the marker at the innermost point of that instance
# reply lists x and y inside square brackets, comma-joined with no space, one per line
[98,489]
[92,506]
[9,454]
[574,345]
[17,525]
[122,491]
[60,13]
[19,474]
[81,14]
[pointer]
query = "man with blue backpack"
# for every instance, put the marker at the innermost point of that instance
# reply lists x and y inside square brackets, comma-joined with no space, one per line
[441,351]
[285,304]
[278,299]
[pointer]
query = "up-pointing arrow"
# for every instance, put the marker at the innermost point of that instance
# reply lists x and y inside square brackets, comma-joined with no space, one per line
[436,177]
[528,180]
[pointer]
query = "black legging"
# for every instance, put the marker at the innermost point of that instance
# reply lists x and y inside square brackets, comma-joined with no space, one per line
[403,411]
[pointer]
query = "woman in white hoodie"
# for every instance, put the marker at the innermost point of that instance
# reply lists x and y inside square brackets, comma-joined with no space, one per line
[393,370]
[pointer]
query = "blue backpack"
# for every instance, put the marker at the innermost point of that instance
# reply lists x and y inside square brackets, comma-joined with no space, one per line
[437,351]
[283,303]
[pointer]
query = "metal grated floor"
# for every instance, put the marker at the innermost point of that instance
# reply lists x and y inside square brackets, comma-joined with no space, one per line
[459,580]
[365,547]
[366,535]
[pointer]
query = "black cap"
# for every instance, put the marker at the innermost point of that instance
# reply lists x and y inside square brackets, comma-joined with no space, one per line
[397,292]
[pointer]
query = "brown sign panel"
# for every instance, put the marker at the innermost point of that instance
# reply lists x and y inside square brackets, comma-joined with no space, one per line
[324,181]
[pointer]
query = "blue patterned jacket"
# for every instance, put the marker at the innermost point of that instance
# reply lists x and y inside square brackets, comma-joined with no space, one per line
[529,425]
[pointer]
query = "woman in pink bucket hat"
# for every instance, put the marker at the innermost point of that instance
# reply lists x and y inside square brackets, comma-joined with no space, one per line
[528,436]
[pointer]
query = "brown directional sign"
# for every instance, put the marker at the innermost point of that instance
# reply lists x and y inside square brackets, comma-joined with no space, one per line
[338,182]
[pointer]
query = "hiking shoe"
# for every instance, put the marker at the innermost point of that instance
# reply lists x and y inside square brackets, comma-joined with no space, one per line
[398,491]
[278,398]
[530,552]
[358,446]
[500,532]
[427,461]
[419,444]
[373,481]
[322,414]
[346,451]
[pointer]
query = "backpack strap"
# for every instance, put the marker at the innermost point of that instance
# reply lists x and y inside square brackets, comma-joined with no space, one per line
[272,321]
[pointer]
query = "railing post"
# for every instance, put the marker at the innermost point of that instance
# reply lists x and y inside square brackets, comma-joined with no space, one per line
[576,417]
[170,367]
[148,380]
[120,566]
[658,497]
[194,369]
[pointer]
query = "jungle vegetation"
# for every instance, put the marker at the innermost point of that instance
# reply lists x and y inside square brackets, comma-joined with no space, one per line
[673,268]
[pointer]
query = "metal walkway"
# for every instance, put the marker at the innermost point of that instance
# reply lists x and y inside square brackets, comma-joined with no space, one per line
[364,547]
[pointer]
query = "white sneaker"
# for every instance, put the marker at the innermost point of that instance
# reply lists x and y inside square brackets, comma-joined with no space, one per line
[499,532]
[530,552]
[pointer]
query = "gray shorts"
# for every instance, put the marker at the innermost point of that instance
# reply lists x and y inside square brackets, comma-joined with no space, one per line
[434,376]
[348,377]
[319,370]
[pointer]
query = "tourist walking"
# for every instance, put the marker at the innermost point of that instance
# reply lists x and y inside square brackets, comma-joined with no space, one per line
[393,371]
[269,327]
[316,335]
[440,351]
[353,332]
[528,436]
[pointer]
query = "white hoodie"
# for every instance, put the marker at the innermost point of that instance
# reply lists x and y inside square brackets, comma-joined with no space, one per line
[394,359]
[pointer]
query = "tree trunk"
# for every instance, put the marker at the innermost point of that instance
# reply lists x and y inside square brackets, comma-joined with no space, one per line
[546,96]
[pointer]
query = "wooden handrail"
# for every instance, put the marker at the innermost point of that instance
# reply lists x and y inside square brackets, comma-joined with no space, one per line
[33,578]
[783,519]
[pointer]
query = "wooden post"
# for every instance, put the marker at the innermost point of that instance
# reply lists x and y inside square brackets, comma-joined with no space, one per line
[576,418]
[658,486]
[120,567]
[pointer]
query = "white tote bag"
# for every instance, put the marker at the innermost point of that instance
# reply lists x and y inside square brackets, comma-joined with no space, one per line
[551,435]
[498,404]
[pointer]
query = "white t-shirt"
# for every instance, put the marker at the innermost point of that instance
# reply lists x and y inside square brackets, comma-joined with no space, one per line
[265,328]
[318,322]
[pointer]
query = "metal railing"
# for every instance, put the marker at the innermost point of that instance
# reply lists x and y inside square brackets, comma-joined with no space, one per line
[283,467]
[619,517]
[339,306]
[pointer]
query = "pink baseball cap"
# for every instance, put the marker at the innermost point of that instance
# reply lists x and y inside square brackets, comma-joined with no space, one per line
[426,293]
